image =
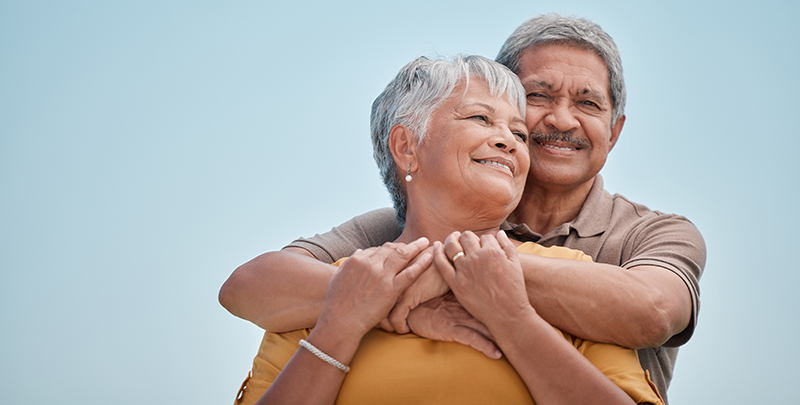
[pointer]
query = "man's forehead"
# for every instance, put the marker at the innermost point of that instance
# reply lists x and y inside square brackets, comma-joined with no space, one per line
[579,88]
[547,66]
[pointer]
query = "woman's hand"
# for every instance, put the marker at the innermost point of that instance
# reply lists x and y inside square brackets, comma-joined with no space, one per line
[427,286]
[444,319]
[368,284]
[487,280]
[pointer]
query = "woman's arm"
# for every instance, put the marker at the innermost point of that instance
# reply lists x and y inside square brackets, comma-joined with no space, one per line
[488,282]
[360,294]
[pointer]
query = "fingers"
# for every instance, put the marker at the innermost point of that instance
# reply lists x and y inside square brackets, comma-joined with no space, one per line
[405,303]
[489,241]
[470,242]
[385,325]
[398,318]
[467,243]
[397,256]
[452,245]
[443,263]
[407,275]
[471,337]
[506,244]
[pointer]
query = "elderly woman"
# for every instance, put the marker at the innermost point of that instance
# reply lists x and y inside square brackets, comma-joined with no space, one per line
[450,138]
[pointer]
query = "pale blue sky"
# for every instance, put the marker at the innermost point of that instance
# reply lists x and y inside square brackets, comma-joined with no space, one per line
[148,148]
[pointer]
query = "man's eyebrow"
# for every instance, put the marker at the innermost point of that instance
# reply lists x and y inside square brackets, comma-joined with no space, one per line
[598,95]
[538,84]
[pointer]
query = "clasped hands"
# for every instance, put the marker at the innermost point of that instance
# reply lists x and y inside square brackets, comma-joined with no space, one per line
[436,298]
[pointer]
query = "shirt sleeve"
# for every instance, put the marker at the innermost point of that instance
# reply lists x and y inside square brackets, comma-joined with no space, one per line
[366,230]
[621,366]
[674,243]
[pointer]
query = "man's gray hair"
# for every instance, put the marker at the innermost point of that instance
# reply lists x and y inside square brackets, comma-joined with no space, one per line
[579,32]
[414,94]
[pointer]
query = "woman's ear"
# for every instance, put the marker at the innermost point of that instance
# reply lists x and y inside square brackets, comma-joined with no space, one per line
[403,145]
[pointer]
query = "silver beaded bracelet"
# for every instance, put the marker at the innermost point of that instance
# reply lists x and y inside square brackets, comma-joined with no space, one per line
[328,359]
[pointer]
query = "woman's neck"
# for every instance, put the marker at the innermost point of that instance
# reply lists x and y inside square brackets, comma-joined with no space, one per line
[436,226]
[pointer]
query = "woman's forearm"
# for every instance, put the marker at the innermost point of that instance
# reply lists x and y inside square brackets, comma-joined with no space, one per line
[278,291]
[553,370]
[307,379]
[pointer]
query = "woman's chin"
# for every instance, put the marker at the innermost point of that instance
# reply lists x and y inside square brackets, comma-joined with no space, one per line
[496,198]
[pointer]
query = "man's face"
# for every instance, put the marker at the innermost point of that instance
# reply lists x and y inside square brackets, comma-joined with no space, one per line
[568,116]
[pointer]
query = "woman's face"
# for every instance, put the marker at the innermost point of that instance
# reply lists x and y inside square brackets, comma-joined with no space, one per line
[475,151]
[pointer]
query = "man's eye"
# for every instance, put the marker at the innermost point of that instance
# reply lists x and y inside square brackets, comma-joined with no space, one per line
[589,103]
[535,95]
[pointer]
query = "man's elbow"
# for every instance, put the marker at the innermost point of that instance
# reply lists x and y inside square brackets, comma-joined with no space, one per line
[228,293]
[662,320]
[655,330]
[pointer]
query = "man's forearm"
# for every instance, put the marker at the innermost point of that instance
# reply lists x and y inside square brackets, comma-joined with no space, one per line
[639,307]
[278,291]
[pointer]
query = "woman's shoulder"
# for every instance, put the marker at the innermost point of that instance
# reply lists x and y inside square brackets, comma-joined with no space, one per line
[558,252]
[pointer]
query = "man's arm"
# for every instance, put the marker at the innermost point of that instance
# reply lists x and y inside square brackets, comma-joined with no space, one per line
[639,307]
[278,291]
[283,291]
[650,299]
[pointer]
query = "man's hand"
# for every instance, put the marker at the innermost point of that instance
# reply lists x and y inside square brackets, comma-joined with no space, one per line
[444,319]
[427,286]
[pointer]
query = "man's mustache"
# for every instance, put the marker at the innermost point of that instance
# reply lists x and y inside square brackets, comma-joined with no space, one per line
[560,137]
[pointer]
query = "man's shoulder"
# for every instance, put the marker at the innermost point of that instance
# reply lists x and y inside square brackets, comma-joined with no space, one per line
[630,214]
[638,231]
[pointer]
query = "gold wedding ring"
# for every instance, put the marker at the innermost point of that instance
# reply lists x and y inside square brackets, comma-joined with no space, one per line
[457,256]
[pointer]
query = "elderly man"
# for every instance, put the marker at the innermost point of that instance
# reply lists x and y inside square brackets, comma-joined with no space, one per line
[641,292]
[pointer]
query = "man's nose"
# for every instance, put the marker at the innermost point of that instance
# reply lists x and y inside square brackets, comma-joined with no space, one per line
[561,117]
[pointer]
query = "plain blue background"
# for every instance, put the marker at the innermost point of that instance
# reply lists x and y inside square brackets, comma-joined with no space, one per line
[148,148]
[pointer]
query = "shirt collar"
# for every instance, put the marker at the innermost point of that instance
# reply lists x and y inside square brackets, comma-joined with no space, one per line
[593,218]
[595,215]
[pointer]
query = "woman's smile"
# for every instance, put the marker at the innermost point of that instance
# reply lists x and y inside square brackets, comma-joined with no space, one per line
[497,163]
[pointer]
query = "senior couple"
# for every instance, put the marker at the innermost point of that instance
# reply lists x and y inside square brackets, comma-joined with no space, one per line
[586,300]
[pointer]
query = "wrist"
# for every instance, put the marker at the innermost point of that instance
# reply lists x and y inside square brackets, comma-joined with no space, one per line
[333,342]
[504,321]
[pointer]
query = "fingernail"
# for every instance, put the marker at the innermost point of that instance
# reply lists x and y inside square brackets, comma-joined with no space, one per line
[498,354]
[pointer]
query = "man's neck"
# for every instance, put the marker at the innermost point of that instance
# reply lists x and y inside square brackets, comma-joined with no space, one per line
[546,208]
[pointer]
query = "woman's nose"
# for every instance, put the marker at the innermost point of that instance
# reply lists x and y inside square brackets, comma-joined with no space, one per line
[505,141]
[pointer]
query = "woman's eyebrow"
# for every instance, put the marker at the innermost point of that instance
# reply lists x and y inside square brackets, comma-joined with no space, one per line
[479,104]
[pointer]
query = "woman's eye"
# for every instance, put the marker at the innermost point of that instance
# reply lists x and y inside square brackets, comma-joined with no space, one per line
[480,117]
[523,136]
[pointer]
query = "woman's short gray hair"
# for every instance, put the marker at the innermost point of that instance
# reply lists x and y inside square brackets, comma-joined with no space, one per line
[579,32]
[414,94]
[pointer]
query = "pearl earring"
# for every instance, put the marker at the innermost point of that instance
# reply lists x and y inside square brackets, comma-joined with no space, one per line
[408,174]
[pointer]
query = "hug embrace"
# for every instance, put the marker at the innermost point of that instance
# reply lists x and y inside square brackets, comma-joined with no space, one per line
[505,272]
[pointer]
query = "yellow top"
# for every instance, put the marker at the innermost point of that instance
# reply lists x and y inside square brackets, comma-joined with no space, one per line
[407,369]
